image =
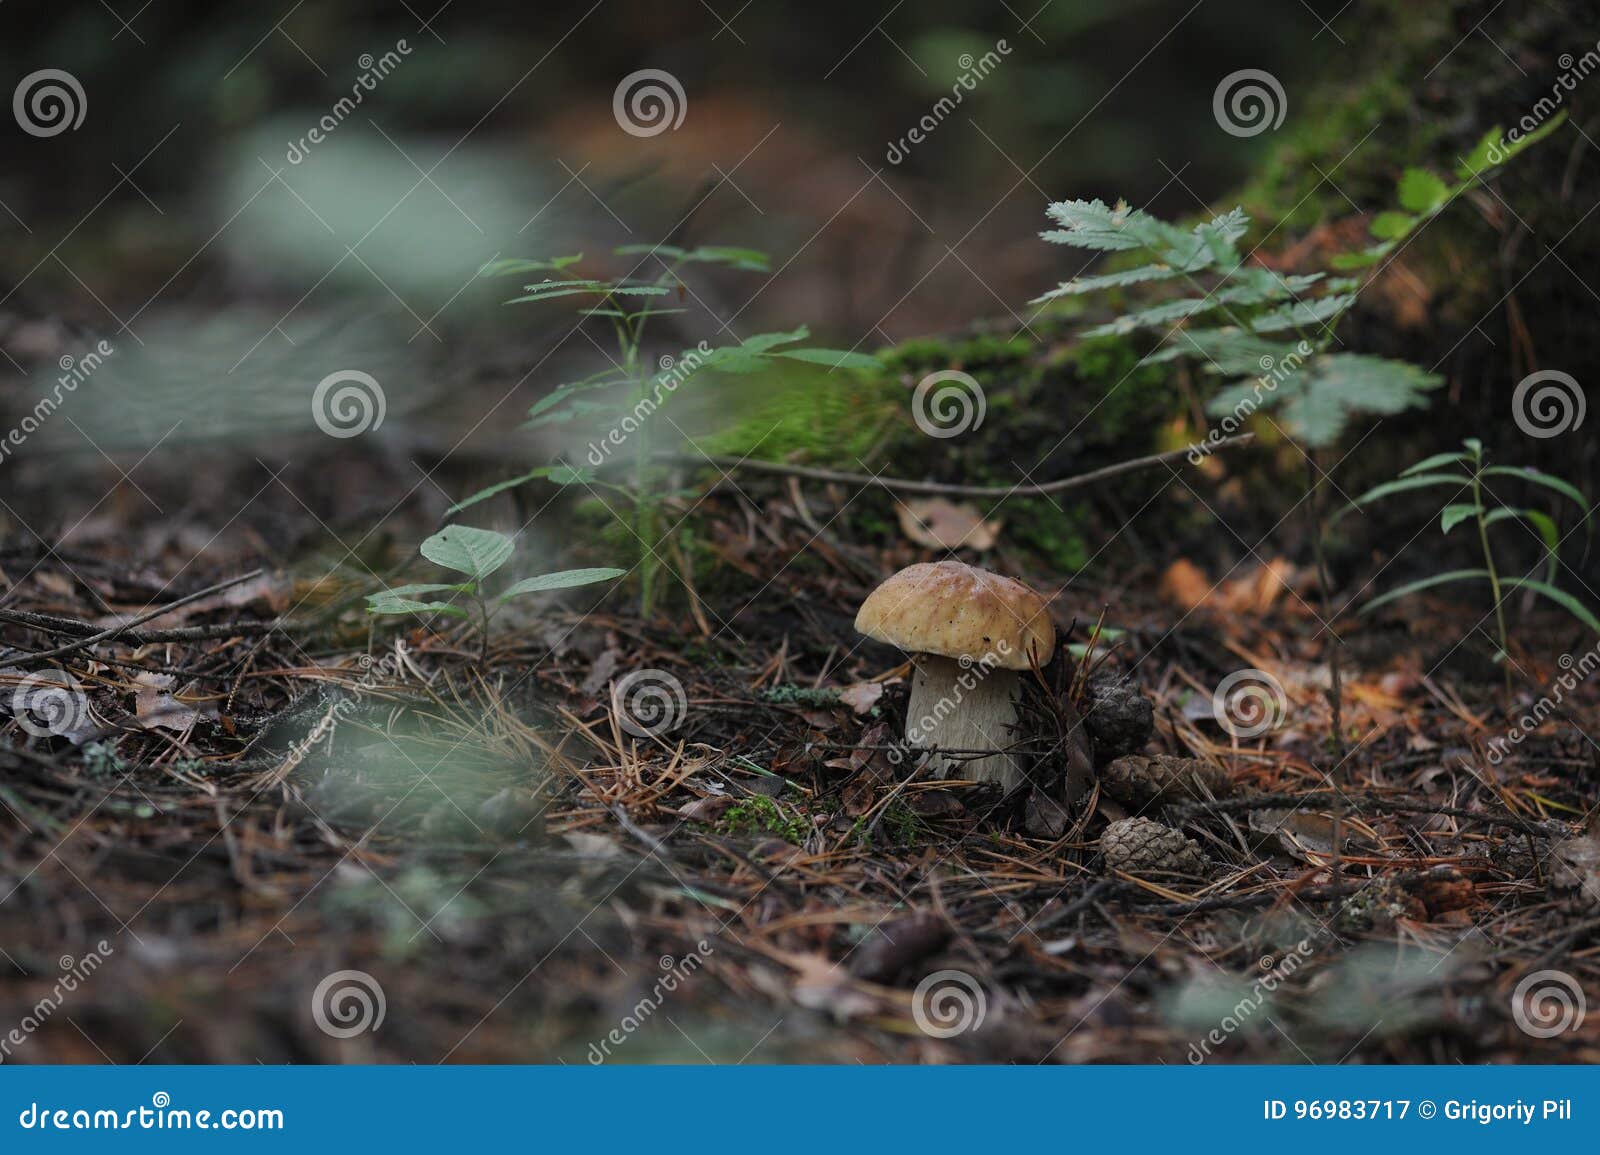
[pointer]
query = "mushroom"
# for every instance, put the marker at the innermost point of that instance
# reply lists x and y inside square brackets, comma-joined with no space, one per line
[968,632]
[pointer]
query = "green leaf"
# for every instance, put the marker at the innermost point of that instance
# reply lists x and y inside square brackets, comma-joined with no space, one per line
[565,579]
[1563,599]
[1546,527]
[404,600]
[516,266]
[1361,260]
[476,552]
[559,474]
[1081,285]
[1318,404]
[1391,226]
[832,358]
[1421,191]
[1528,473]
[1454,515]
[1402,485]
[1434,462]
[749,260]
[671,252]
[1494,149]
[1437,579]
[1301,313]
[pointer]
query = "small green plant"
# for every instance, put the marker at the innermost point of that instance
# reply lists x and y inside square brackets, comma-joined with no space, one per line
[1268,332]
[478,553]
[1467,470]
[759,814]
[621,398]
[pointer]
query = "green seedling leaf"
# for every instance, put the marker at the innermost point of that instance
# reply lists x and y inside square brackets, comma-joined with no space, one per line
[832,358]
[1546,527]
[1435,462]
[1391,226]
[1454,515]
[559,474]
[475,552]
[1563,599]
[1422,192]
[1402,485]
[387,603]
[1437,579]
[516,266]
[565,579]
[1528,473]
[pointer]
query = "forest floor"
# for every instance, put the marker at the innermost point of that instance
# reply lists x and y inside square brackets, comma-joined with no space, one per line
[259,794]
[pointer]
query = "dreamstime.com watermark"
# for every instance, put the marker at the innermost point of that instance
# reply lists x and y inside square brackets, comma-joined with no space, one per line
[1577,671]
[1248,703]
[348,1003]
[373,69]
[972,71]
[161,1115]
[974,671]
[649,702]
[348,403]
[1273,374]
[49,102]
[1548,403]
[1548,1003]
[674,372]
[649,102]
[1249,102]
[374,673]
[1252,1001]
[948,1003]
[1572,71]
[77,972]
[74,372]
[677,971]
[948,404]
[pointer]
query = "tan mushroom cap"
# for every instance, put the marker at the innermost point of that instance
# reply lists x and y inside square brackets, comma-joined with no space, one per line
[959,611]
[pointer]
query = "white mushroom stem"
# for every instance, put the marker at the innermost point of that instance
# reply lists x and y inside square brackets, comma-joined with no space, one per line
[958,707]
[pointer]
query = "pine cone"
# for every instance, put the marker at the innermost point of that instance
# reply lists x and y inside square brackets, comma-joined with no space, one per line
[1140,846]
[1118,718]
[1138,780]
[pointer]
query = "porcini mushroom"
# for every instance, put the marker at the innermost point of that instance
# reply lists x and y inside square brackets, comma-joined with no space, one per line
[968,632]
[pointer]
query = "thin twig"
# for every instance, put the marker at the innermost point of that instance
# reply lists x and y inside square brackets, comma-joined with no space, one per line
[941,488]
[117,631]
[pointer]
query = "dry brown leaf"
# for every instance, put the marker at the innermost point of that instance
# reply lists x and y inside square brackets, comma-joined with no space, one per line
[937,523]
[155,705]
[1185,585]
[861,696]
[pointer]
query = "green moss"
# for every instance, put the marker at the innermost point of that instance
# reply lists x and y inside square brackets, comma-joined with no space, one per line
[759,814]
[810,697]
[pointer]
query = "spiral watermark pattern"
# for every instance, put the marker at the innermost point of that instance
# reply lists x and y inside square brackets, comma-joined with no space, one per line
[1249,102]
[1548,1003]
[347,1004]
[1548,403]
[348,403]
[649,702]
[49,704]
[948,1003]
[1248,703]
[649,102]
[948,404]
[49,102]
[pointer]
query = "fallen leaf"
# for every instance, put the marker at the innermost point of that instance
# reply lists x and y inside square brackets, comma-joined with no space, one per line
[154,704]
[861,696]
[1185,585]
[1577,862]
[940,524]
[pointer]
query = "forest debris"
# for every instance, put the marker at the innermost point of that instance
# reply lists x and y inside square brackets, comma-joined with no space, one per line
[861,696]
[895,945]
[1576,862]
[1140,846]
[1139,780]
[1310,835]
[938,523]
[155,705]
[1185,585]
